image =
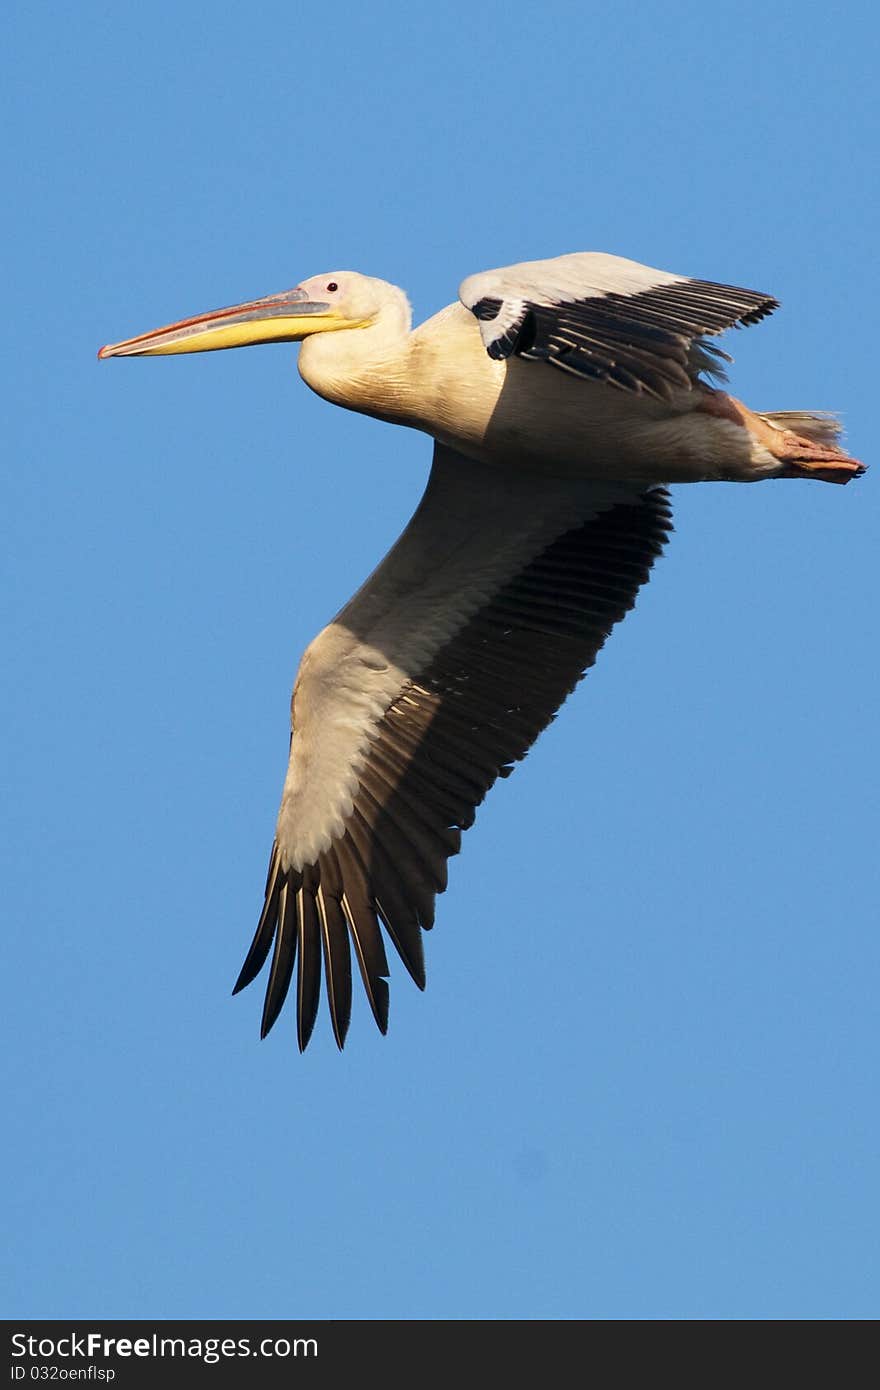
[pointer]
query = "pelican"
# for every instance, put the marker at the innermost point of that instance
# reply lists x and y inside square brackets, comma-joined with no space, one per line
[562,396]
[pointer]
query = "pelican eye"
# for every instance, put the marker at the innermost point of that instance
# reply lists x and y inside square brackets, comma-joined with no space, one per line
[332,287]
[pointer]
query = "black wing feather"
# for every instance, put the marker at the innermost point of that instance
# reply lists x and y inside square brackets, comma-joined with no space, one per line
[461,722]
[650,341]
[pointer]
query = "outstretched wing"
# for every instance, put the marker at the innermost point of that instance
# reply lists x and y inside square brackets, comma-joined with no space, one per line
[609,319]
[433,680]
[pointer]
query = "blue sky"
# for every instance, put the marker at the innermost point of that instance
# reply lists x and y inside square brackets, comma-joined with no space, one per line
[642,1082]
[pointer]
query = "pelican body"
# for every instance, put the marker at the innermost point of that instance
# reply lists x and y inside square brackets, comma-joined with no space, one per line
[561,395]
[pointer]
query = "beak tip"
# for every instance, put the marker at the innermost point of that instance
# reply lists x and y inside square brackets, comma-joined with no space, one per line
[104,352]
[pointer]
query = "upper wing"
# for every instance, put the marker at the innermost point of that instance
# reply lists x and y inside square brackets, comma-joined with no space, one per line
[437,676]
[609,319]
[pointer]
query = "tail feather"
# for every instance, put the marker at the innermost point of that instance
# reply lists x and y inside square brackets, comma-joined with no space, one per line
[821,426]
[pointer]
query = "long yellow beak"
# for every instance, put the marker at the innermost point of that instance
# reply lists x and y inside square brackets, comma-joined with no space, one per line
[279,318]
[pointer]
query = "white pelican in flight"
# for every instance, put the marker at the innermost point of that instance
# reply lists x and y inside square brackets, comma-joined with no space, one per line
[561,395]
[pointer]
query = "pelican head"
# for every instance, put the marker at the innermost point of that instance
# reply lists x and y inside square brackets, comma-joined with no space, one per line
[324,304]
